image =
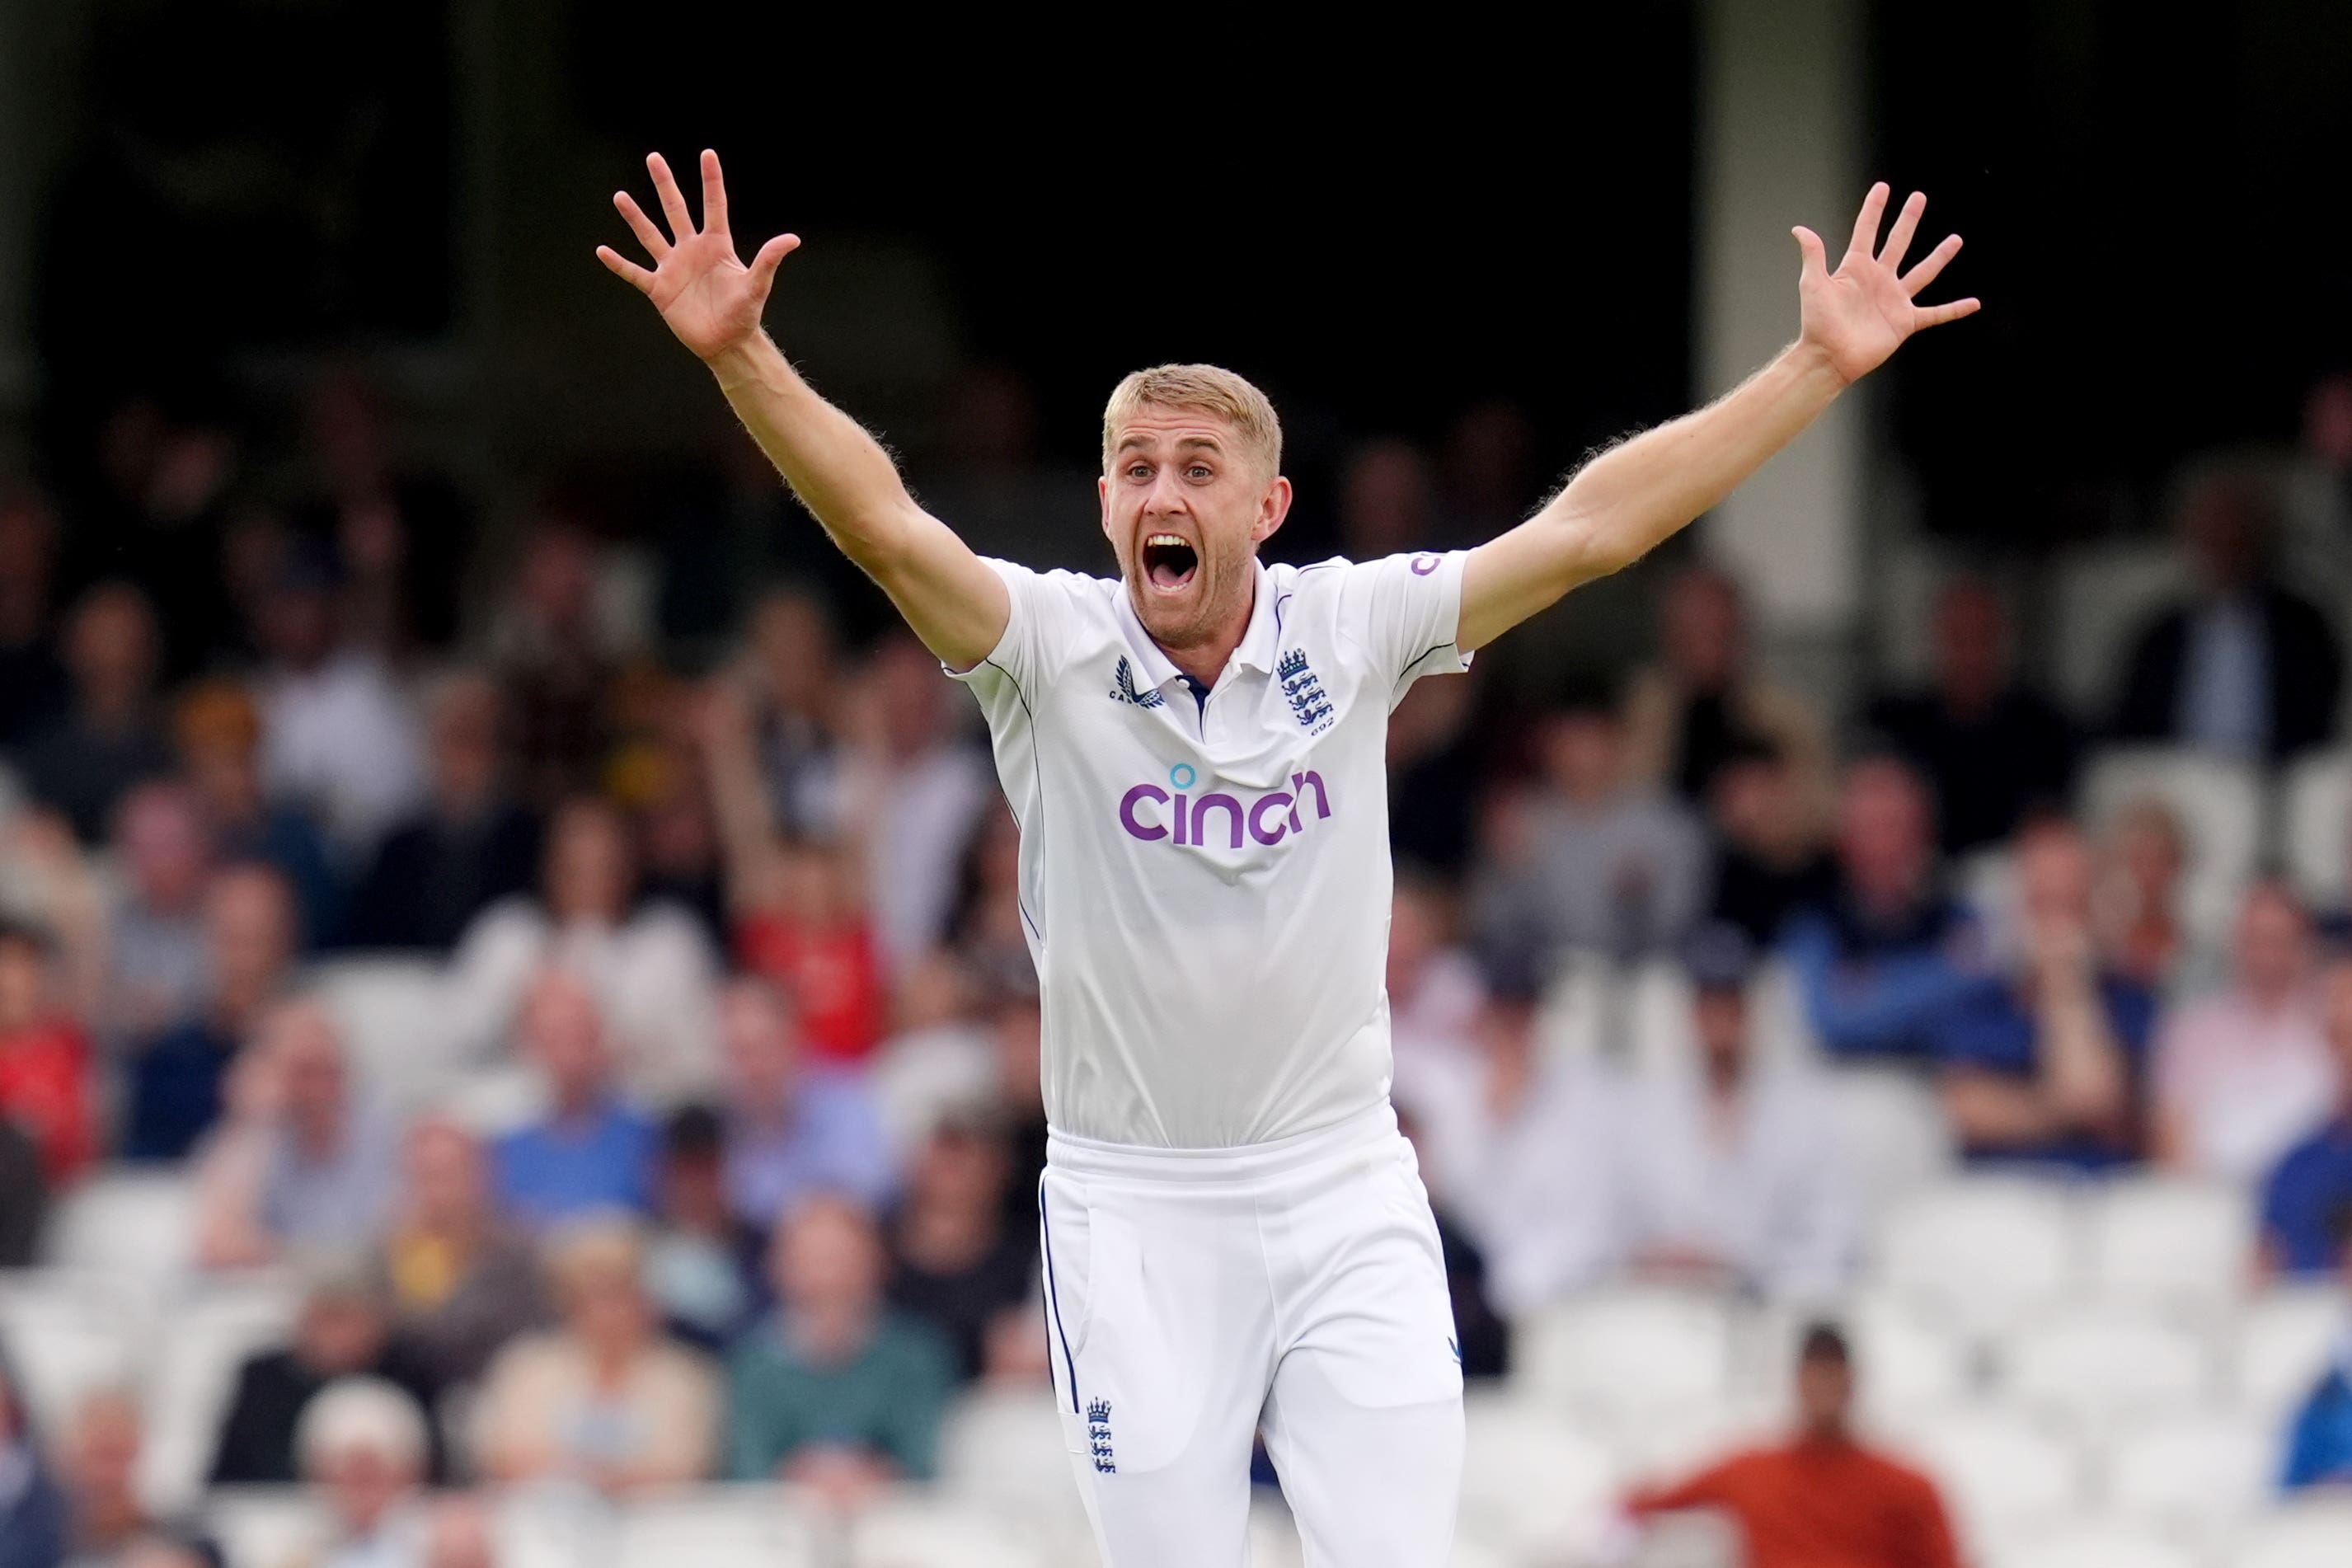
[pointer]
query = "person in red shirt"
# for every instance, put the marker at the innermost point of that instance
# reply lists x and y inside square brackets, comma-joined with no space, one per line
[1821,1500]
[44,1065]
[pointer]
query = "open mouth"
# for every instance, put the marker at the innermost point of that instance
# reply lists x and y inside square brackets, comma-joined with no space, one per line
[1169,563]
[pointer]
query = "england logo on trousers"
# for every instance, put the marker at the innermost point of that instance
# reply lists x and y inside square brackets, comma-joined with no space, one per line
[1098,1435]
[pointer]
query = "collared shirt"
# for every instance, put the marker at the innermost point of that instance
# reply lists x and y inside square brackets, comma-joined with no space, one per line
[2243,1082]
[830,1141]
[2225,680]
[337,1199]
[1205,885]
[567,1166]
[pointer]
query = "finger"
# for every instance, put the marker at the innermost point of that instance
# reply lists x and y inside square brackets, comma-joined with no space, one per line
[772,255]
[647,231]
[624,267]
[1934,262]
[1866,222]
[714,195]
[1906,224]
[673,200]
[1937,315]
[1815,259]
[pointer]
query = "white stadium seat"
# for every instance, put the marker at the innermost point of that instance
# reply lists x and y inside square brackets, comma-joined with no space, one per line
[2315,825]
[912,1529]
[2095,1369]
[713,1527]
[1904,1364]
[1980,1253]
[2196,1477]
[395,1017]
[2220,805]
[2308,1535]
[66,1338]
[2092,1545]
[136,1224]
[2284,1342]
[1893,1130]
[274,1526]
[1004,1451]
[1574,1022]
[2170,1245]
[1533,1486]
[1620,1355]
[2005,1475]
[204,1340]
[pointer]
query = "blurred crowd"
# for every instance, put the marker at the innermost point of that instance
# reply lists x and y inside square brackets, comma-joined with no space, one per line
[729,1171]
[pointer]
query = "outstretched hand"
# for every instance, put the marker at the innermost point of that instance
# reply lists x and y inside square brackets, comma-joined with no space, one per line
[1861,313]
[711,299]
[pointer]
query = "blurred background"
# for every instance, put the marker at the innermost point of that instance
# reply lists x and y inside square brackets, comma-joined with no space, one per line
[515,1045]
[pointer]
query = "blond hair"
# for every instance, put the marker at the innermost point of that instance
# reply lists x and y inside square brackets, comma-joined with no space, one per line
[1208,388]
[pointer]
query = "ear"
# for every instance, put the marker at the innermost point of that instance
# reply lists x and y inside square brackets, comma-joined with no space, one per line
[1273,509]
[1102,494]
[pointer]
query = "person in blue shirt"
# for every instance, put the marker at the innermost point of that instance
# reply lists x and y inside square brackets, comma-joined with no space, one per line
[2046,1065]
[2307,1199]
[2319,1441]
[1882,960]
[592,1150]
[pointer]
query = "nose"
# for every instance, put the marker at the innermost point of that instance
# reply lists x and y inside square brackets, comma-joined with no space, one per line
[1166,497]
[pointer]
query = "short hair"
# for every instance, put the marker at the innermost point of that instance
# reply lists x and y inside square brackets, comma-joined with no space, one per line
[1825,1342]
[366,1413]
[1208,388]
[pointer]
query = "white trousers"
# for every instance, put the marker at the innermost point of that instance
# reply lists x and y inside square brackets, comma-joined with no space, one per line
[1197,1297]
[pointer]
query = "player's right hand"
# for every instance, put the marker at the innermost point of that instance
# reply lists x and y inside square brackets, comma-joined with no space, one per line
[711,299]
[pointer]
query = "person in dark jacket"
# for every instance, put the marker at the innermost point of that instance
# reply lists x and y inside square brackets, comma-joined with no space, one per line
[2244,666]
[35,1526]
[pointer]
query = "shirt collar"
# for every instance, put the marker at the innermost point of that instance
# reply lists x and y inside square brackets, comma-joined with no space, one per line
[1257,649]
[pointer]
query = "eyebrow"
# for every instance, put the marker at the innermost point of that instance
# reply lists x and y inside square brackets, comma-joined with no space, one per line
[1209,442]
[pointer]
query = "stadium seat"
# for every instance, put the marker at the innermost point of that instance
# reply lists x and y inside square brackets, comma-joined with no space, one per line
[1628,1353]
[1004,1451]
[2004,1475]
[1533,1486]
[2315,816]
[1979,1253]
[547,1527]
[394,1015]
[2095,1369]
[202,1343]
[1655,1004]
[2174,1246]
[2315,1534]
[2104,593]
[2284,1340]
[135,1224]
[1574,1022]
[275,1527]
[65,1338]
[1776,1016]
[2196,1477]
[2097,1544]
[1894,1132]
[2220,806]
[714,1527]
[912,1529]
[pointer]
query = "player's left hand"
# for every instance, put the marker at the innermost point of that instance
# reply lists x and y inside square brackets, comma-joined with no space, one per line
[1861,313]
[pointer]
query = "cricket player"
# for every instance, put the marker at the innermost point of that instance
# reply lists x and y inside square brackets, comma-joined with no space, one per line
[1235,1237]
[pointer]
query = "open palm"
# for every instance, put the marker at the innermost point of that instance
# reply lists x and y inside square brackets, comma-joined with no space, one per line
[1861,313]
[711,299]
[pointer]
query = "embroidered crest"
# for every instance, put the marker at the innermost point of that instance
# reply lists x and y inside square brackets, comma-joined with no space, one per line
[1305,690]
[1123,688]
[1098,1435]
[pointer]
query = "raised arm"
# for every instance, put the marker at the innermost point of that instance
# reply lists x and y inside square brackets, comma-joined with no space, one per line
[1630,499]
[713,302]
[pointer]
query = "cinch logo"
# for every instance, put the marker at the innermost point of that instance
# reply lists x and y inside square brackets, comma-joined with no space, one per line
[1150,813]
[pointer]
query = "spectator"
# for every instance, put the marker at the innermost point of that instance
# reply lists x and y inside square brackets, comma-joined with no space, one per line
[1435,997]
[2243,1072]
[798,912]
[793,670]
[1770,860]
[835,1392]
[2319,1441]
[1607,867]
[176,1082]
[458,1533]
[1482,1335]
[1006,498]
[44,1058]
[219,734]
[954,1263]
[364,1445]
[459,1280]
[2307,1198]
[593,1150]
[36,1522]
[24,1197]
[1489,470]
[98,1468]
[2048,1065]
[1434,778]
[1387,502]
[791,1131]
[328,1167]
[1526,1146]
[1685,713]
[339,739]
[989,936]
[231,1163]
[1993,751]
[1733,1175]
[557,658]
[470,845]
[605,1400]
[342,1333]
[32,681]
[702,1261]
[1880,963]
[2245,667]
[650,966]
[84,761]
[156,970]
[1017,1035]
[1822,1497]
[2143,932]
[401,532]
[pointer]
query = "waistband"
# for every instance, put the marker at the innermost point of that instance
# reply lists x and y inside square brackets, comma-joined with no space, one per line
[1373,1128]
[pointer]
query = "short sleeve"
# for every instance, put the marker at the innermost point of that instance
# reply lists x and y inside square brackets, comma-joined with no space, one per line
[1404,612]
[1046,607]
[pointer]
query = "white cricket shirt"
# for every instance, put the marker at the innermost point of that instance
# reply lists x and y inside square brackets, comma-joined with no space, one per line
[1205,884]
